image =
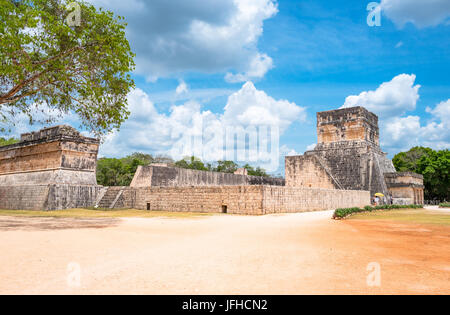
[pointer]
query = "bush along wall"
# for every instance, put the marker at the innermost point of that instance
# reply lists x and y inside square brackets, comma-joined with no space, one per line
[444,205]
[343,213]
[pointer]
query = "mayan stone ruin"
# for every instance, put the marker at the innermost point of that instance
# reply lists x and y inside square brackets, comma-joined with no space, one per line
[348,156]
[50,169]
[55,168]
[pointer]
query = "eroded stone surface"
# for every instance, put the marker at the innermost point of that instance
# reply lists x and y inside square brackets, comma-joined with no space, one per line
[50,169]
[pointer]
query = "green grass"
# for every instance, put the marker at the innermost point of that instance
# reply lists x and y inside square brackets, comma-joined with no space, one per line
[444,205]
[419,216]
[101,213]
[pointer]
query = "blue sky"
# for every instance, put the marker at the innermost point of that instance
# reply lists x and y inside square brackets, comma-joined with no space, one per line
[279,62]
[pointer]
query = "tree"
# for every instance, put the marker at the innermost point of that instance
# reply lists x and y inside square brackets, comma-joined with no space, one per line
[435,168]
[407,161]
[50,67]
[120,172]
[192,163]
[226,167]
[255,172]
[433,165]
[9,141]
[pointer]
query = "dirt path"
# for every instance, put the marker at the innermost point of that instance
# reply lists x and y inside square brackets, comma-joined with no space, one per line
[285,254]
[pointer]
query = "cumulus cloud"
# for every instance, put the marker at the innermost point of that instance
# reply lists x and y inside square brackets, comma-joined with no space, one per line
[250,106]
[441,111]
[198,35]
[258,67]
[418,12]
[391,101]
[181,88]
[392,98]
[402,133]
[188,129]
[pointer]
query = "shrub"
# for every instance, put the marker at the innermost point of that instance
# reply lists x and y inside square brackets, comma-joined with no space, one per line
[444,205]
[342,213]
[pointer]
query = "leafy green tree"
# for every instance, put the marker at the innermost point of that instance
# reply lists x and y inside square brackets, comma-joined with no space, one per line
[435,168]
[226,167]
[49,66]
[9,141]
[192,163]
[407,161]
[110,172]
[433,165]
[255,172]
[120,172]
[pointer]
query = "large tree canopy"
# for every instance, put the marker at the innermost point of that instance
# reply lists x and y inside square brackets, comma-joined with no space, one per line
[433,165]
[49,66]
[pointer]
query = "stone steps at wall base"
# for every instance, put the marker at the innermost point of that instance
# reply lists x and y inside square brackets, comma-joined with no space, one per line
[110,197]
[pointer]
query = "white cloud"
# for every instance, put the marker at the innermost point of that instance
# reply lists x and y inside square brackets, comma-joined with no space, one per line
[170,37]
[181,88]
[286,151]
[391,101]
[418,12]
[441,111]
[151,131]
[250,106]
[311,147]
[258,67]
[392,98]
[402,133]
[399,44]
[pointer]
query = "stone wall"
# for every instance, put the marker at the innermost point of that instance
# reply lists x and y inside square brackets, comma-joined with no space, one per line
[23,197]
[161,176]
[295,199]
[307,171]
[60,176]
[51,149]
[347,124]
[53,168]
[405,187]
[47,197]
[349,165]
[249,200]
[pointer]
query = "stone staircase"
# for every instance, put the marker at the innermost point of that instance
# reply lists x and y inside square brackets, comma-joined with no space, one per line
[110,198]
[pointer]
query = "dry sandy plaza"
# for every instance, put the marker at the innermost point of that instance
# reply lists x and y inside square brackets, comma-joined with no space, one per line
[140,252]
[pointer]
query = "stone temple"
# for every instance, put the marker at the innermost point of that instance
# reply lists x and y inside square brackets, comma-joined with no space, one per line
[348,156]
[54,168]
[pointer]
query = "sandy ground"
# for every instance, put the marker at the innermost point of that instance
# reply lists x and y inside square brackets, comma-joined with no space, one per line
[285,254]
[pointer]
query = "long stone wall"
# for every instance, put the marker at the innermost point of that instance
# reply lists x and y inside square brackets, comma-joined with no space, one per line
[47,197]
[249,200]
[296,199]
[162,176]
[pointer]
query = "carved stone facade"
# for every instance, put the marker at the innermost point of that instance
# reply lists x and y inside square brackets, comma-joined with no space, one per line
[406,187]
[348,156]
[53,168]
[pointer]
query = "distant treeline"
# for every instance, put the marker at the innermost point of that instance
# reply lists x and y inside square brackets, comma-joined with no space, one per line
[120,172]
[9,141]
